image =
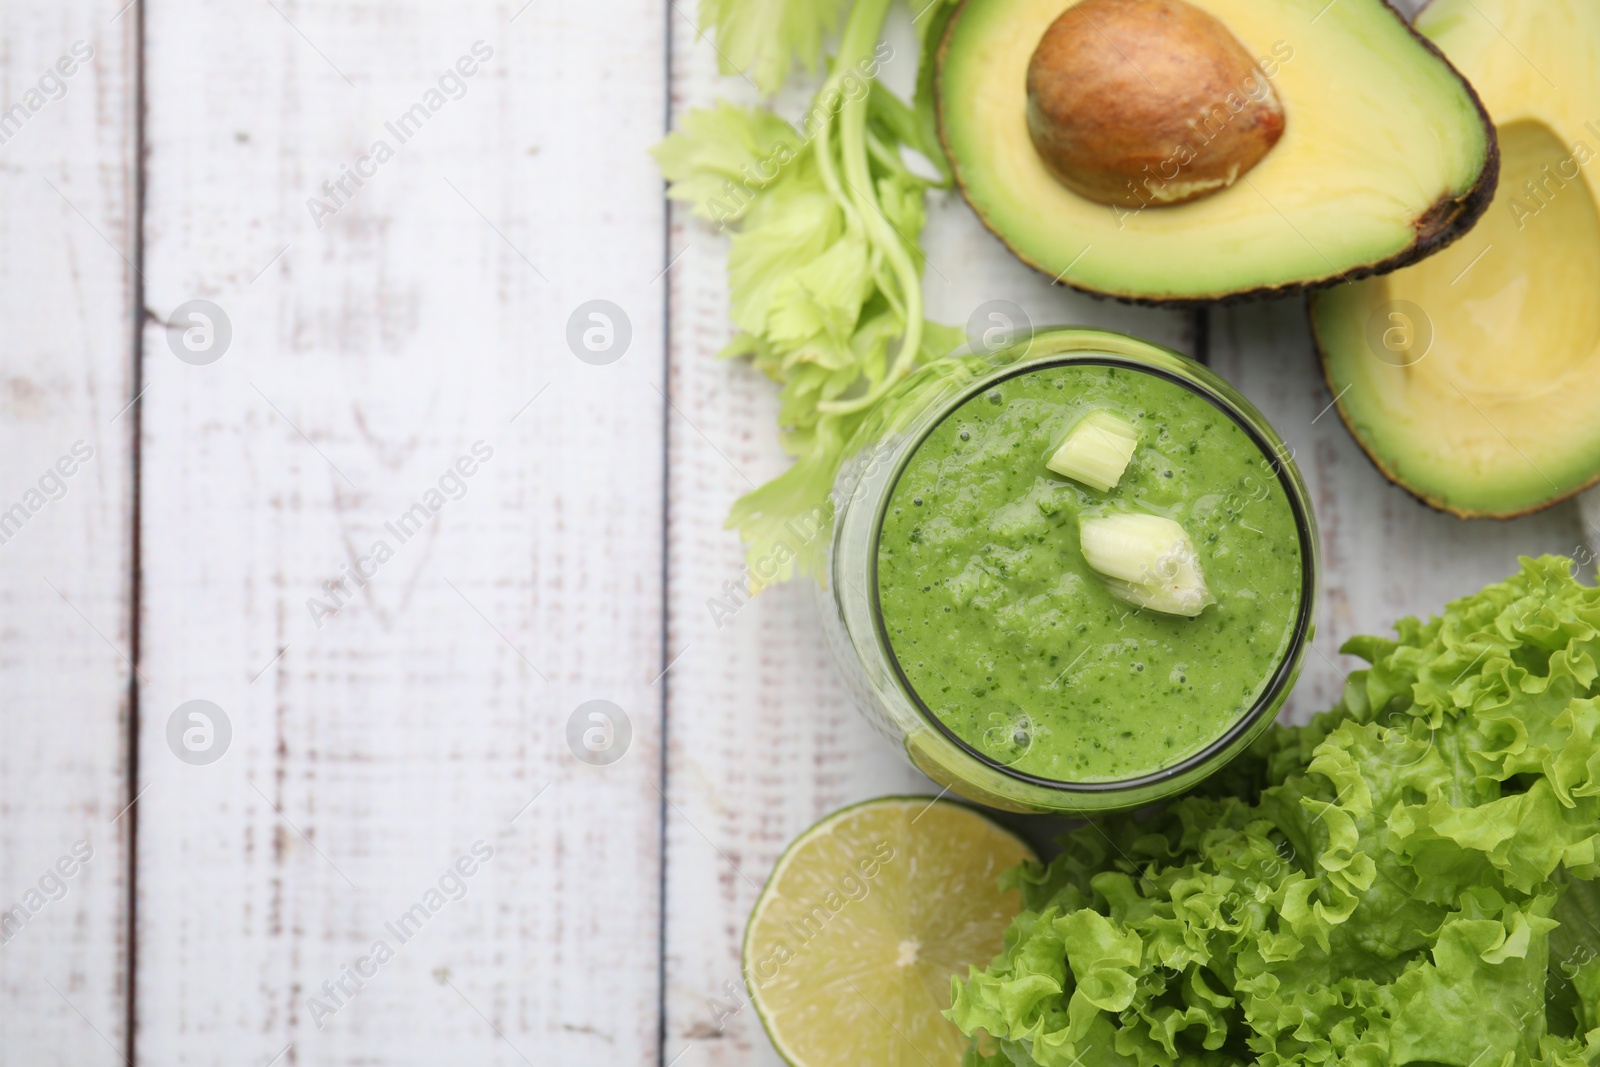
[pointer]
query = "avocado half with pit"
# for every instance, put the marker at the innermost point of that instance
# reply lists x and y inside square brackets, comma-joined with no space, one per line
[1183,151]
[1473,379]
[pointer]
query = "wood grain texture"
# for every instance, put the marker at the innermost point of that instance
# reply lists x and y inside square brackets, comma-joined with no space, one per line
[67,235]
[761,738]
[428,313]
[761,741]
[373,746]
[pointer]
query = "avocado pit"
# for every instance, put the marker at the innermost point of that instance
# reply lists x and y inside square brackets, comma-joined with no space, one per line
[1144,103]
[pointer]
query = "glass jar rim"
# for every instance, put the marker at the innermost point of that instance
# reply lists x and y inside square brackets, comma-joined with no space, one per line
[1203,382]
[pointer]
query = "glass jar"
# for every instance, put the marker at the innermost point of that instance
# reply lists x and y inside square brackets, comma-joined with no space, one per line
[854,623]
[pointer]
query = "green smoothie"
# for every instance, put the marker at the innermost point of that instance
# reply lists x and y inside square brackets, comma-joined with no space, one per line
[1017,646]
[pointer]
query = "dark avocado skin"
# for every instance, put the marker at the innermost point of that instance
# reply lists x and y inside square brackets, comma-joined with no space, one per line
[1437,227]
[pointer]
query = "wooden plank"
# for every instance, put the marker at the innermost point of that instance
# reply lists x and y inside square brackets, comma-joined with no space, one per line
[1385,555]
[423,324]
[762,740]
[67,238]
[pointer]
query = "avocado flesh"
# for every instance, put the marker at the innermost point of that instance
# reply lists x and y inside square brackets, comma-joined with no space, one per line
[1499,417]
[1381,133]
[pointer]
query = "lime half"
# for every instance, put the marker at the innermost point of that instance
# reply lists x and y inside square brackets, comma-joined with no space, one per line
[851,946]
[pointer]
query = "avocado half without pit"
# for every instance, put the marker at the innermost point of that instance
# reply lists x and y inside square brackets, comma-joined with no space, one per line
[1184,151]
[1473,379]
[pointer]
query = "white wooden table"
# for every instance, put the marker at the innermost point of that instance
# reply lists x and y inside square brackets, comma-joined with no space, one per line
[375,340]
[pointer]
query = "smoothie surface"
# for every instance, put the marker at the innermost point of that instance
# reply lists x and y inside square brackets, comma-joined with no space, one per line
[1009,637]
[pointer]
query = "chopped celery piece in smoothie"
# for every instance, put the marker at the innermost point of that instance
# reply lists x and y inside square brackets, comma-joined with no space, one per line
[1096,450]
[1147,561]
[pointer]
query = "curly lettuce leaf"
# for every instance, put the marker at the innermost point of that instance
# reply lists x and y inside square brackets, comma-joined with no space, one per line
[1410,878]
